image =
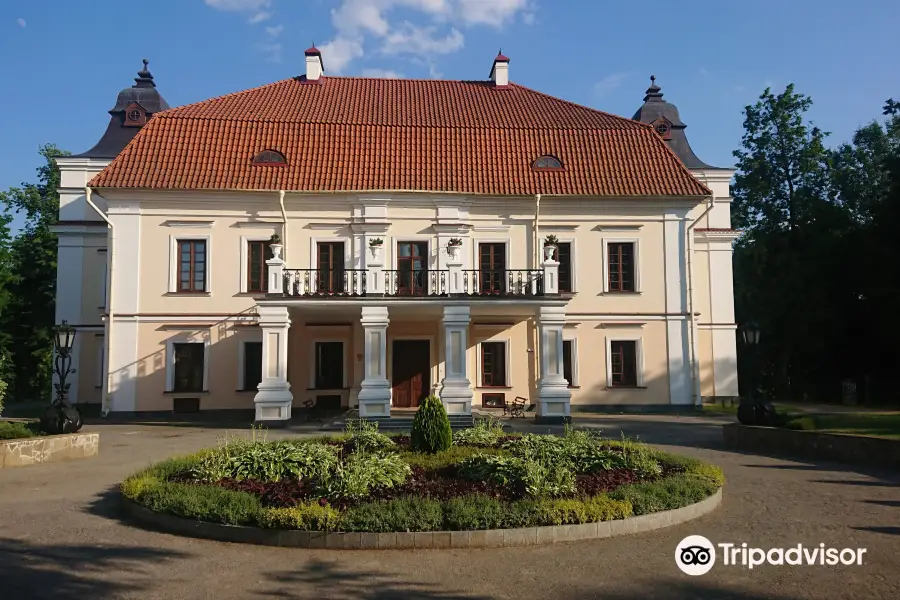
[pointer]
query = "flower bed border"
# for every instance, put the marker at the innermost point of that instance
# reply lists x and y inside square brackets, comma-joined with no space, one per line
[41,449]
[484,538]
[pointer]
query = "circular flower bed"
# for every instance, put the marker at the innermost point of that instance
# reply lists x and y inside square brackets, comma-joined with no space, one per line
[365,481]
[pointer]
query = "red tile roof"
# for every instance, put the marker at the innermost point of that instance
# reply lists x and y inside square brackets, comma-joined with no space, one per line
[358,134]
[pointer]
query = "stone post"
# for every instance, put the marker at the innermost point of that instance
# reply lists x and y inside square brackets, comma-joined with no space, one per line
[551,276]
[273,401]
[553,389]
[456,391]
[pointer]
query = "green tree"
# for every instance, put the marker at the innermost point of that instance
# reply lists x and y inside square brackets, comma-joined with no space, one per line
[782,202]
[27,320]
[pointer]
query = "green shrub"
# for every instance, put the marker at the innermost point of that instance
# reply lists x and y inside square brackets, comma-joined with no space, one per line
[431,427]
[2,392]
[400,514]
[498,469]
[13,430]
[306,517]
[448,457]
[365,437]
[797,423]
[360,473]
[665,494]
[475,512]
[268,461]
[574,511]
[537,445]
[539,478]
[135,486]
[202,502]
[546,479]
[486,432]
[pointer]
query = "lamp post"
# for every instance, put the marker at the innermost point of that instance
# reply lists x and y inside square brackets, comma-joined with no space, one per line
[752,409]
[60,416]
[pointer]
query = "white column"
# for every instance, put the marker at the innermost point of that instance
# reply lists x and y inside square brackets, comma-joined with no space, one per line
[456,391]
[553,389]
[724,340]
[551,276]
[123,359]
[677,332]
[455,275]
[375,392]
[274,399]
[374,259]
[276,270]
[358,364]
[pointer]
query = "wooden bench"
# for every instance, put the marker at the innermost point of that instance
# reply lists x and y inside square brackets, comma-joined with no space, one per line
[518,407]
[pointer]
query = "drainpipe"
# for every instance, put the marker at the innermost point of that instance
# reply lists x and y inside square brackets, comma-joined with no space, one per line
[536,255]
[284,232]
[692,321]
[107,328]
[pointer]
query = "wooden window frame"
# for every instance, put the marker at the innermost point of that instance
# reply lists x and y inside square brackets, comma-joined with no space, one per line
[503,279]
[573,358]
[636,266]
[638,362]
[242,361]
[338,267]
[426,259]
[175,264]
[264,268]
[573,264]
[170,364]
[315,360]
[482,381]
[325,337]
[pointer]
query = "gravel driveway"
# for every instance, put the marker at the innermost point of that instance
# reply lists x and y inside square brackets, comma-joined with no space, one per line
[61,537]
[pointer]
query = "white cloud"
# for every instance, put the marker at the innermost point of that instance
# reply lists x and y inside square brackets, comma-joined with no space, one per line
[430,27]
[608,84]
[382,73]
[274,32]
[238,5]
[259,17]
[272,51]
[410,39]
[338,53]
[21,22]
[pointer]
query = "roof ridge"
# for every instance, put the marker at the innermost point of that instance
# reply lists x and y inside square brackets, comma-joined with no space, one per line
[582,106]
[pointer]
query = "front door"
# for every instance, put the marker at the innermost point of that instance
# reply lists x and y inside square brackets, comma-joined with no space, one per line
[411,372]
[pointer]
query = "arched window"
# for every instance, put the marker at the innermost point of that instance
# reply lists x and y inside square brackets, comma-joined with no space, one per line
[547,163]
[270,157]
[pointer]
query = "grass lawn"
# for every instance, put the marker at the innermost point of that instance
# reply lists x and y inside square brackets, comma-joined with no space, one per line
[876,424]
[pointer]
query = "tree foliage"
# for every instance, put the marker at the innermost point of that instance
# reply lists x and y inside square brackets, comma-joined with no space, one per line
[821,229]
[28,277]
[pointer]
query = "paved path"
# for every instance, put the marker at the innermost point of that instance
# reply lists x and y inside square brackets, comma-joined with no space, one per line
[60,537]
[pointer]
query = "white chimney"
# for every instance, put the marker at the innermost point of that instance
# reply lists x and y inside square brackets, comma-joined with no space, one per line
[315,68]
[500,71]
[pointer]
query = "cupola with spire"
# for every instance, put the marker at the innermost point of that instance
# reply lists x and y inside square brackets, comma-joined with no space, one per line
[663,116]
[134,107]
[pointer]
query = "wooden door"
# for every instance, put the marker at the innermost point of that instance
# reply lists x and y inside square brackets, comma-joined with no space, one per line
[492,268]
[412,268]
[330,263]
[411,372]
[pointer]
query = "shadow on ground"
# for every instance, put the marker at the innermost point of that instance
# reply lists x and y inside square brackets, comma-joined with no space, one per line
[333,580]
[75,572]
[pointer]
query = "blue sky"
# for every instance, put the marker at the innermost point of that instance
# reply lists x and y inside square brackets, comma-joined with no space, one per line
[62,62]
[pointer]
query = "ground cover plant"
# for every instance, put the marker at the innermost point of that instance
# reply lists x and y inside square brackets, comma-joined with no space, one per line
[367,481]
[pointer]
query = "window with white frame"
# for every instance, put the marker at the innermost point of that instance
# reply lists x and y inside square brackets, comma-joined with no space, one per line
[621,266]
[570,362]
[251,365]
[189,265]
[493,364]
[186,366]
[624,363]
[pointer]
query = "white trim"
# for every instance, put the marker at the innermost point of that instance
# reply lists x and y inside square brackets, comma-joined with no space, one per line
[632,227]
[261,223]
[314,247]
[345,348]
[479,367]
[391,243]
[571,337]
[432,358]
[245,256]
[638,360]
[173,261]
[242,357]
[607,240]
[476,246]
[573,253]
[333,226]
[201,337]
[188,224]
[491,227]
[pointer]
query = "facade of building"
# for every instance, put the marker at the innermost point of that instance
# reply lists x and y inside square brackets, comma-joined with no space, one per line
[475,239]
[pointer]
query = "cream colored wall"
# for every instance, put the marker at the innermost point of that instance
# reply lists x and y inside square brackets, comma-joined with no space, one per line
[301,357]
[521,374]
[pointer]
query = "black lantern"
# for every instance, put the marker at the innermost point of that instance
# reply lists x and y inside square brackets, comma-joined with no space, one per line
[754,410]
[60,416]
[750,333]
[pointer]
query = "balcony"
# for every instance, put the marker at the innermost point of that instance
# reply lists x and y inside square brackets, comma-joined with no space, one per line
[412,283]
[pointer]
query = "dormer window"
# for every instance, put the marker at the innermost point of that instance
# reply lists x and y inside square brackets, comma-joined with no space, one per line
[663,128]
[270,158]
[135,115]
[547,163]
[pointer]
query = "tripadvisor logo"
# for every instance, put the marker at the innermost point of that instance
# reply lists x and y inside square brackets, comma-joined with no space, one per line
[696,555]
